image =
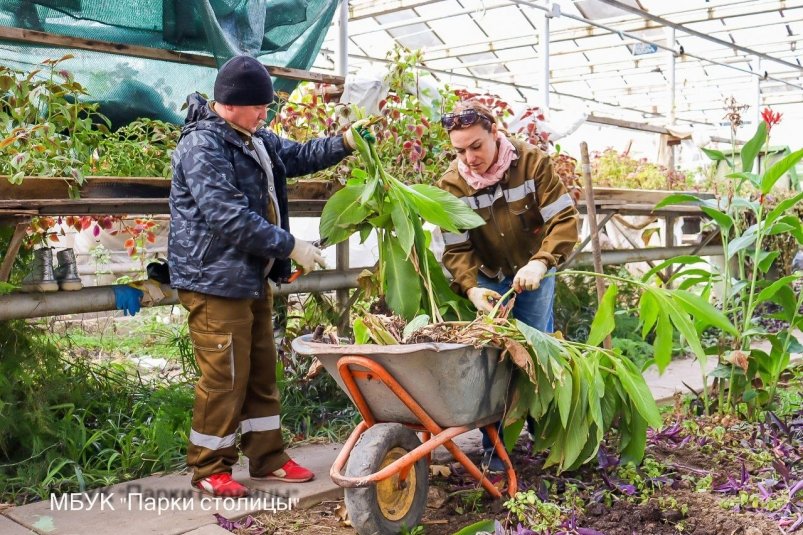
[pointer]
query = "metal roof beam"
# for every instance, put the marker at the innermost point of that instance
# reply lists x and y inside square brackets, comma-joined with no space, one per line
[695,33]
[576,34]
[420,20]
[382,7]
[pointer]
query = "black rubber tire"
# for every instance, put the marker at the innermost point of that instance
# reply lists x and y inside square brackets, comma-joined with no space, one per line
[363,505]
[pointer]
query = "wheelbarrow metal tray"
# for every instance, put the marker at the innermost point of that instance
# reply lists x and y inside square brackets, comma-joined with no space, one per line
[455,384]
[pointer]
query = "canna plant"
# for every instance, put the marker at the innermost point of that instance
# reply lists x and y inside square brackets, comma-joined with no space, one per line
[748,375]
[410,278]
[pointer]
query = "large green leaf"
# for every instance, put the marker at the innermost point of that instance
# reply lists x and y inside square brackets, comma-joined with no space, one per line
[633,450]
[683,259]
[724,220]
[704,311]
[680,319]
[765,260]
[604,323]
[715,155]
[663,341]
[778,169]
[483,526]
[403,223]
[751,149]
[638,392]
[342,212]
[402,284]
[648,312]
[782,207]
[563,393]
[772,289]
[443,209]
[742,242]
[753,178]
[678,198]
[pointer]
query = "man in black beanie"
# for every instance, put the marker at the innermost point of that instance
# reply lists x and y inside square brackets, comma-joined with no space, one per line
[229,230]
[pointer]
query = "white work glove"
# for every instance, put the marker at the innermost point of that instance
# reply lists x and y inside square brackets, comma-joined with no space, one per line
[483,299]
[362,129]
[306,256]
[529,277]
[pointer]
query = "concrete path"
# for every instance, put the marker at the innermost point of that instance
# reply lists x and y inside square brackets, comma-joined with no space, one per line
[166,505]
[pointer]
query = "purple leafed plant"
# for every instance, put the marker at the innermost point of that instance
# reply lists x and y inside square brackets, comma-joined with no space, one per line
[246,523]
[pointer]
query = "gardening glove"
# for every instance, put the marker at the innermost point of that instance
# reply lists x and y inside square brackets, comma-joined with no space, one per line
[306,256]
[529,277]
[363,129]
[127,299]
[483,299]
[151,290]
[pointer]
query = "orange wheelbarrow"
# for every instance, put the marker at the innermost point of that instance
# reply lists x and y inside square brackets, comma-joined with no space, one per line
[440,390]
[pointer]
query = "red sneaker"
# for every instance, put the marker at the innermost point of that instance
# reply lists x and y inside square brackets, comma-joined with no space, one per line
[221,485]
[291,472]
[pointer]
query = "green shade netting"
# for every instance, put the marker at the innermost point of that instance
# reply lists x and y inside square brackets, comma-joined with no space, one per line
[286,33]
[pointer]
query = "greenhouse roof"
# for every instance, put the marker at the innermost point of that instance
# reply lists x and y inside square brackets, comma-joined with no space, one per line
[602,59]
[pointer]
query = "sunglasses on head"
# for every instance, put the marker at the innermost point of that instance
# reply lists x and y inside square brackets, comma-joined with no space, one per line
[463,119]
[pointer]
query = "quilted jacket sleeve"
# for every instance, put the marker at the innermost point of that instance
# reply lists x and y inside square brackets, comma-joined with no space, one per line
[304,158]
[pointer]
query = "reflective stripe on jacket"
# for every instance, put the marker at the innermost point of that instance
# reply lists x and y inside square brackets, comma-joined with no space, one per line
[528,215]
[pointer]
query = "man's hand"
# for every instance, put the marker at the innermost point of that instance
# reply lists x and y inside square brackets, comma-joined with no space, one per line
[529,277]
[306,255]
[483,299]
[362,127]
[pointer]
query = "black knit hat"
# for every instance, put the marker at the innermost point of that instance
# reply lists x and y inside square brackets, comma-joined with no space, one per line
[243,81]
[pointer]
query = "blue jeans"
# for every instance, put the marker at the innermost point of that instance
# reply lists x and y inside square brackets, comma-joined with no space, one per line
[533,308]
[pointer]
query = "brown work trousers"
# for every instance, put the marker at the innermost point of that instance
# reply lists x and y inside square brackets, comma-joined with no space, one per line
[235,350]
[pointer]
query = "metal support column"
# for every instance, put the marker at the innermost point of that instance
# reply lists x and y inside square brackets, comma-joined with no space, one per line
[342,248]
[342,58]
[671,68]
[670,37]
[543,42]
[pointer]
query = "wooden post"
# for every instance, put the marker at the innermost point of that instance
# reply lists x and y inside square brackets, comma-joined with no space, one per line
[670,242]
[13,248]
[591,212]
[342,264]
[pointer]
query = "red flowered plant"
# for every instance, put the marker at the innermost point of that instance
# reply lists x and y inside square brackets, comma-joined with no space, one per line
[771,118]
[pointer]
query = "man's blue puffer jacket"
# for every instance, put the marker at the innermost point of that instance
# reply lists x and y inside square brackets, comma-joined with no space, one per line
[220,240]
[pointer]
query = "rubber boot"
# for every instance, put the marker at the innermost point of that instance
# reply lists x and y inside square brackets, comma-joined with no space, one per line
[40,278]
[67,272]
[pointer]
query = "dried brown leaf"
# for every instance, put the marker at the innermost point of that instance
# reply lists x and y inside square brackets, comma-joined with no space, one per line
[521,358]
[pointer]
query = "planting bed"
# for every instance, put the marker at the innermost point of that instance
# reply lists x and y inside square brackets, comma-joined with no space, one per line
[701,475]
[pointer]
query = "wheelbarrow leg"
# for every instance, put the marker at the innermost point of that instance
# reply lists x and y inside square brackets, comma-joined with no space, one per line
[499,446]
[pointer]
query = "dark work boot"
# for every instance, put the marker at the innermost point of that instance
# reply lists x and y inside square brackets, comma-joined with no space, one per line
[40,278]
[67,272]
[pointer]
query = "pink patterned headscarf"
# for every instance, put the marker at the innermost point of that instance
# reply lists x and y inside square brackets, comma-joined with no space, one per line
[506,154]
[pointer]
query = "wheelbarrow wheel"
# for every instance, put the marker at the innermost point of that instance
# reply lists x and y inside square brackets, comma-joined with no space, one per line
[390,505]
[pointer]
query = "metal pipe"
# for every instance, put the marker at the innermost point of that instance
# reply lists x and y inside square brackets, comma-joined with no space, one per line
[20,305]
[628,256]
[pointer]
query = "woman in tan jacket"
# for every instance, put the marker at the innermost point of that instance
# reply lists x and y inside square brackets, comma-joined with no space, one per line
[530,220]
